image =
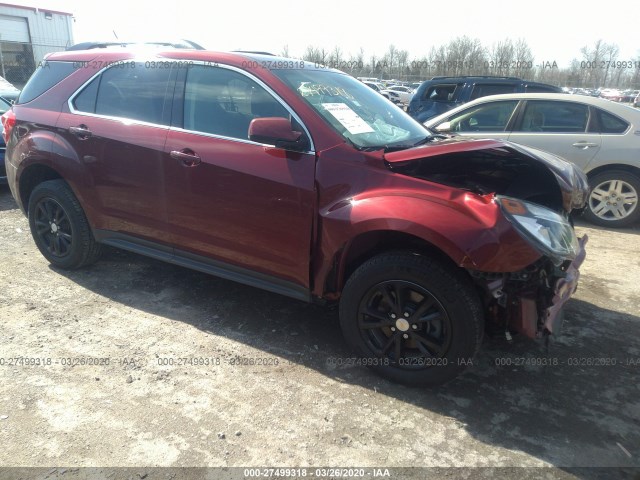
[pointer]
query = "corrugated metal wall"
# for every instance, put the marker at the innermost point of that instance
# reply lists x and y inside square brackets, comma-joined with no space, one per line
[46,32]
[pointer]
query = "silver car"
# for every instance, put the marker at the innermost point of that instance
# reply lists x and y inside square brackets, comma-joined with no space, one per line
[600,136]
[405,93]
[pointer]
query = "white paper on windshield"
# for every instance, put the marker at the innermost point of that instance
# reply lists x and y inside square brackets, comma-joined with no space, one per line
[348,118]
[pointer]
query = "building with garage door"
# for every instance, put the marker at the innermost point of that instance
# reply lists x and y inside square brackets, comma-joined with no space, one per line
[27,34]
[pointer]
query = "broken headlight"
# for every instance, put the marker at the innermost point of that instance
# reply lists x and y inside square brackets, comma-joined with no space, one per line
[548,232]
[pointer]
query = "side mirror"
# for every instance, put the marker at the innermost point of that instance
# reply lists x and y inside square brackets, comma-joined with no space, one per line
[444,127]
[276,131]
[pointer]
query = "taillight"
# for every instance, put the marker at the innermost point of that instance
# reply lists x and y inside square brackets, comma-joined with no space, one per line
[8,122]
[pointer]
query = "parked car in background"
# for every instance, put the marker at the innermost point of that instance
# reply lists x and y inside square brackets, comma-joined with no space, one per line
[612,94]
[382,90]
[376,86]
[405,93]
[4,107]
[636,101]
[599,136]
[441,94]
[304,182]
[7,91]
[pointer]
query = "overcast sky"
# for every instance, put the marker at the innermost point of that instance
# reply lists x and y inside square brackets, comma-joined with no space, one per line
[555,30]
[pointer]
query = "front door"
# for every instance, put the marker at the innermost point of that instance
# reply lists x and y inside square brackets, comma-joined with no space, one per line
[230,199]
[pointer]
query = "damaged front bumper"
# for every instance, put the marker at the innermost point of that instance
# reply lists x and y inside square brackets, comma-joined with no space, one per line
[530,302]
[564,288]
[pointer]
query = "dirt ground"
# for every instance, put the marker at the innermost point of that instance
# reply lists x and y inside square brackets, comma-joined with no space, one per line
[144,406]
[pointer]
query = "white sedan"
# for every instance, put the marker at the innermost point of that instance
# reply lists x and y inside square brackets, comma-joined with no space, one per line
[601,137]
[389,95]
[405,93]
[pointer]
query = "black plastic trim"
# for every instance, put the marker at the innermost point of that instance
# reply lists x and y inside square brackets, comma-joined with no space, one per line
[202,264]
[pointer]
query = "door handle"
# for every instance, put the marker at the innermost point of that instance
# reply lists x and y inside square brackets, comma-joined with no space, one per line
[186,156]
[585,145]
[81,131]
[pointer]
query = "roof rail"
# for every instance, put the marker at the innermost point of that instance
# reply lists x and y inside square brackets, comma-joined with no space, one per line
[183,43]
[475,76]
[255,52]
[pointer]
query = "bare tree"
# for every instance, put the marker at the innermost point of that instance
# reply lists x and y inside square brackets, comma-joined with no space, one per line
[523,58]
[611,51]
[596,67]
[403,57]
[335,58]
[461,56]
[392,58]
[438,60]
[635,79]
[576,76]
[501,58]
[312,54]
[591,62]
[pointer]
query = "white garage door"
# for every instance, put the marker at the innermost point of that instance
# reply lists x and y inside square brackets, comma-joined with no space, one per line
[14,29]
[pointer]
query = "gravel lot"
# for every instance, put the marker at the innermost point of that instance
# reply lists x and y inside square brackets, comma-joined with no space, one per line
[137,409]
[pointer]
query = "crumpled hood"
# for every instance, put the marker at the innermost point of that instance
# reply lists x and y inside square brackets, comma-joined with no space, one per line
[572,181]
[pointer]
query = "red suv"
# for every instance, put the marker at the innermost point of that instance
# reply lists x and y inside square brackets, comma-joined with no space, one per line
[303,181]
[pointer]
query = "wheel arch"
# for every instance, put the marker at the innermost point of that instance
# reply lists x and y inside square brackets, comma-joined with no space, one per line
[32,176]
[366,245]
[614,166]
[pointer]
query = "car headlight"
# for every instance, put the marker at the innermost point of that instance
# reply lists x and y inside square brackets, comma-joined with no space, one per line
[548,232]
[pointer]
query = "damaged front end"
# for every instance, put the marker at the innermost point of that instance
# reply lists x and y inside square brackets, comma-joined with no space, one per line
[536,193]
[530,301]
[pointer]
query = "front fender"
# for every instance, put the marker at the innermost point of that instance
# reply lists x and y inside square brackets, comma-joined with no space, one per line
[468,228]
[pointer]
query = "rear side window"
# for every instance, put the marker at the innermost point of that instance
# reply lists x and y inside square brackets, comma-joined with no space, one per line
[46,76]
[483,90]
[135,93]
[555,117]
[610,123]
[441,93]
[540,89]
[86,100]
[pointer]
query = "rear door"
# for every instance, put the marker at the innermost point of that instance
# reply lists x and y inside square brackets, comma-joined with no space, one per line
[559,127]
[117,125]
[230,199]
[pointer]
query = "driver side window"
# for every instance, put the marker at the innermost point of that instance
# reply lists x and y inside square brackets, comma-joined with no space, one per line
[489,117]
[223,102]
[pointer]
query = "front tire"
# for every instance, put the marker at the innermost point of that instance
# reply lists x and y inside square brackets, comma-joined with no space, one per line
[413,319]
[613,201]
[59,226]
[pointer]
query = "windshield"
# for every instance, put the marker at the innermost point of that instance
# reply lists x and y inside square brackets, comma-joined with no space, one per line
[355,111]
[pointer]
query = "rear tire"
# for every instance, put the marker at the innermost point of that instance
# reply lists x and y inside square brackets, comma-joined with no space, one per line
[413,319]
[59,226]
[618,188]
